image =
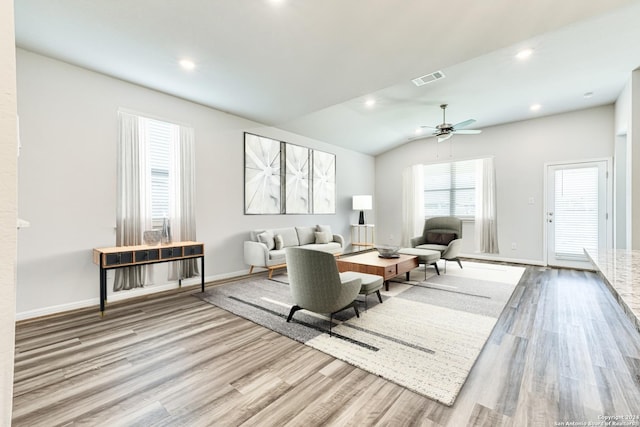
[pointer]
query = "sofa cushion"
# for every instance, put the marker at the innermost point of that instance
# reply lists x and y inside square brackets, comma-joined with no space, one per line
[289,237]
[266,237]
[277,257]
[440,238]
[306,235]
[332,247]
[279,241]
[322,237]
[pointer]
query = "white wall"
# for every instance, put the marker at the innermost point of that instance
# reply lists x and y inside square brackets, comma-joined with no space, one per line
[627,126]
[8,208]
[520,150]
[67,178]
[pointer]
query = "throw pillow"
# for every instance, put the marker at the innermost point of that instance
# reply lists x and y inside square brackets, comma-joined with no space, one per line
[440,238]
[326,228]
[323,237]
[279,242]
[266,237]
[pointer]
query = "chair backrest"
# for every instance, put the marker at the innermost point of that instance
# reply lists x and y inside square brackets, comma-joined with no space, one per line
[443,224]
[313,279]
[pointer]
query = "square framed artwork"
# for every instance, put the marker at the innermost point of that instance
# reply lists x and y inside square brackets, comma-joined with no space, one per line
[262,175]
[324,182]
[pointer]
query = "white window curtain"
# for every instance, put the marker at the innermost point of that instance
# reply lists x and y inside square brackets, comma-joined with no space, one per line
[130,211]
[134,206]
[412,203]
[486,225]
[182,202]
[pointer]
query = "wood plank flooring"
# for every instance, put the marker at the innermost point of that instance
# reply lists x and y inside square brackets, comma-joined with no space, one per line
[562,351]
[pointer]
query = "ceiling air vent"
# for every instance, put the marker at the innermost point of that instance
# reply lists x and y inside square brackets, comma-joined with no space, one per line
[428,78]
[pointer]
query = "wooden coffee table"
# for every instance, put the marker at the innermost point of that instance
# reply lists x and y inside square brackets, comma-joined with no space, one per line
[370,262]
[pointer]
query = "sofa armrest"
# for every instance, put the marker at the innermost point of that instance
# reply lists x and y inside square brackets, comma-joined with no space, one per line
[453,249]
[256,254]
[339,239]
[417,241]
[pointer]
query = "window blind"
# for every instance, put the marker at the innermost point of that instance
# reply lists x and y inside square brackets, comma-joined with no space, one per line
[449,189]
[159,135]
[576,212]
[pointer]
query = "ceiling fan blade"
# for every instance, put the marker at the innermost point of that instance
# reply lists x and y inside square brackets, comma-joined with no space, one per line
[468,131]
[463,124]
[428,127]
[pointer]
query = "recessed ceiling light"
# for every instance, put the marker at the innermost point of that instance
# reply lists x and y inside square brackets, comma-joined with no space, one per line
[524,53]
[370,102]
[535,107]
[418,131]
[588,94]
[187,64]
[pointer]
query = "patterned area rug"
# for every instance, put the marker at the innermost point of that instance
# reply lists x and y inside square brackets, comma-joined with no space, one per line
[425,336]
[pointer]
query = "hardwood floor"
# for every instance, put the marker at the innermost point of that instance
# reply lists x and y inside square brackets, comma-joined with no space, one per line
[562,351]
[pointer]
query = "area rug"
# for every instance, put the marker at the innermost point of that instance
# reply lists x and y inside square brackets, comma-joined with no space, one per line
[425,336]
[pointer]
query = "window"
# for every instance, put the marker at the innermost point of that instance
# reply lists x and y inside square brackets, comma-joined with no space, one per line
[161,138]
[449,189]
[156,180]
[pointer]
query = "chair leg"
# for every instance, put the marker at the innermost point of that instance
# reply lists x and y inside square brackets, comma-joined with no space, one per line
[355,307]
[293,310]
[435,264]
[251,270]
[379,296]
[459,263]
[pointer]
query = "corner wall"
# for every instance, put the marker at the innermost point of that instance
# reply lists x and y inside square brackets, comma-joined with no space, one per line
[67,182]
[8,208]
[520,151]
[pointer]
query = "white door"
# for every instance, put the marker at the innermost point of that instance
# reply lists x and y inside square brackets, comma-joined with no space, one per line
[576,215]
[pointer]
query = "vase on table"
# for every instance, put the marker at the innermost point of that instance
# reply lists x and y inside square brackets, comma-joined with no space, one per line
[166,231]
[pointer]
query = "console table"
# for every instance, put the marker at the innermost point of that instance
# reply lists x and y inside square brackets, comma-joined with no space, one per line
[129,256]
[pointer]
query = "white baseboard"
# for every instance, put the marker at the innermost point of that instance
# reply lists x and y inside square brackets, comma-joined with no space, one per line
[120,296]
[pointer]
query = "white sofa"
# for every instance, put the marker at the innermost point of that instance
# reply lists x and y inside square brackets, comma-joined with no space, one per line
[266,249]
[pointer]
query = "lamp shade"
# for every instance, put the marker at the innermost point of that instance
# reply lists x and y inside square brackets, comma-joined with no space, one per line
[362,203]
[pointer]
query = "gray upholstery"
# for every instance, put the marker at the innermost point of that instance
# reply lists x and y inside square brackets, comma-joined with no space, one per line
[316,285]
[370,283]
[425,256]
[443,225]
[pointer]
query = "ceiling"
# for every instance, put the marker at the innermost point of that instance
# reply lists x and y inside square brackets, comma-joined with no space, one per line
[308,66]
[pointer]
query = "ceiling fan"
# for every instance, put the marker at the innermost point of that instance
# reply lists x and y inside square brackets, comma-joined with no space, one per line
[446,130]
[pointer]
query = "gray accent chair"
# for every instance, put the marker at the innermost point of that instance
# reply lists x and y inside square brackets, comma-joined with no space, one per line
[444,234]
[316,285]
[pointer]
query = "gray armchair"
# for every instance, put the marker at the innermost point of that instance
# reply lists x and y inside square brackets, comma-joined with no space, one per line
[316,284]
[442,234]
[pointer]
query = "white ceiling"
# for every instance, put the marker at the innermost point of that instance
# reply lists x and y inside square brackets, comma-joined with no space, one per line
[307,66]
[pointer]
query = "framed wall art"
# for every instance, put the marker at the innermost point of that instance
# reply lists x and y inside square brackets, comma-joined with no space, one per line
[283,178]
[324,182]
[262,175]
[297,178]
